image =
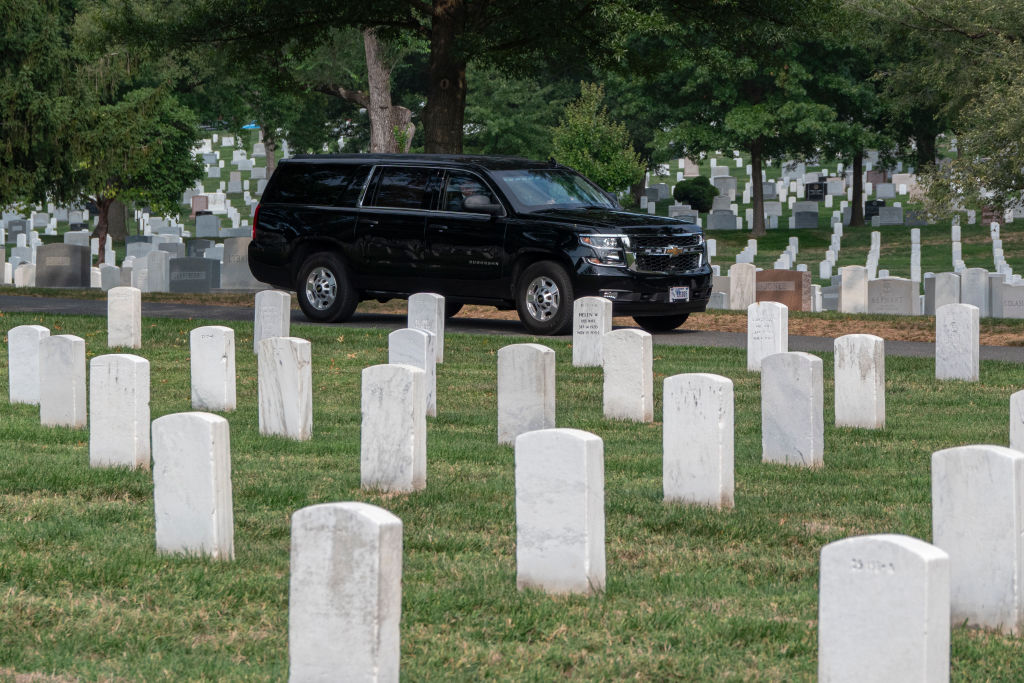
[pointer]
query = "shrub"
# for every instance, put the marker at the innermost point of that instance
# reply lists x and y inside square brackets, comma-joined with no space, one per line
[698,192]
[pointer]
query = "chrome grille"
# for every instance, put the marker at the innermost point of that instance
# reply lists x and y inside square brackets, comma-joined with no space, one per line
[659,253]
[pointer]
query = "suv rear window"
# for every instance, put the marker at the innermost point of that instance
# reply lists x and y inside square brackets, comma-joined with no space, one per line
[402,187]
[319,184]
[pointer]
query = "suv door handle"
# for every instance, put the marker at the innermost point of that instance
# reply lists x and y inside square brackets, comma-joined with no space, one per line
[367,221]
[438,226]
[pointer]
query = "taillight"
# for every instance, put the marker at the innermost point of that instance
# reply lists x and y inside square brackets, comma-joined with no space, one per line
[255,217]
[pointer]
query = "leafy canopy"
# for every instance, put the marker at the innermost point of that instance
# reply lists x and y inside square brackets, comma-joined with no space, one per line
[599,148]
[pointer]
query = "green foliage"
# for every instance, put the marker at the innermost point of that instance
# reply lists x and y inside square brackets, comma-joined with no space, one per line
[599,148]
[38,99]
[510,115]
[698,192]
[138,148]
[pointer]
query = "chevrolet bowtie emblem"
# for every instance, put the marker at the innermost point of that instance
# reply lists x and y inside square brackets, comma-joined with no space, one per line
[673,251]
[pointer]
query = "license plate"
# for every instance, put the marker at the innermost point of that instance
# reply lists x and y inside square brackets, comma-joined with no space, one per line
[678,294]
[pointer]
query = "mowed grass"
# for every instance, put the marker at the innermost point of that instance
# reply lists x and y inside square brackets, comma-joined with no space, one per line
[692,593]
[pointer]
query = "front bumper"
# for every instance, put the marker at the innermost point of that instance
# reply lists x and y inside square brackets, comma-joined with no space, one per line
[635,293]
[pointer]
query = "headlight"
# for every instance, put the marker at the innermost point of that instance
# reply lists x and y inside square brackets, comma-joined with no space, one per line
[609,250]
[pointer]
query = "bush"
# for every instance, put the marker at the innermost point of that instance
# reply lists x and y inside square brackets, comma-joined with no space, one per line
[589,141]
[698,192]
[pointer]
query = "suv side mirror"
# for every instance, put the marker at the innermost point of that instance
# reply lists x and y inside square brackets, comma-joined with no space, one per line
[478,203]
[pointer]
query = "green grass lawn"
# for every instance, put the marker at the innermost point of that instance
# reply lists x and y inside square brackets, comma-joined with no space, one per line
[691,593]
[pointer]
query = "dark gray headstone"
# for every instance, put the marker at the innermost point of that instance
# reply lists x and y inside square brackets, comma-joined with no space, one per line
[195,248]
[175,249]
[79,237]
[871,207]
[805,219]
[207,225]
[721,220]
[814,192]
[18,226]
[194,274]
[769,191]
[63,265]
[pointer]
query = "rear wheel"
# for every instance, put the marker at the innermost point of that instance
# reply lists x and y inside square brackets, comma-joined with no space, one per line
[324,291]
[544,298]
[660,323]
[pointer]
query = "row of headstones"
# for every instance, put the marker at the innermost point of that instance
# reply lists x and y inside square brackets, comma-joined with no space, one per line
[538,569]
[957,344]
[195,266]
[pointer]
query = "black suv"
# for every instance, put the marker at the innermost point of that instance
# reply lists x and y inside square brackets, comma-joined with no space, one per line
[499,231]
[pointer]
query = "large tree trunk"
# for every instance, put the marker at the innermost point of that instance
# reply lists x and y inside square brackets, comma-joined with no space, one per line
[445,111]
[378,72]
[758,228]
[100,233]
[270,147]
[857,202]
[926,152]
[391,126]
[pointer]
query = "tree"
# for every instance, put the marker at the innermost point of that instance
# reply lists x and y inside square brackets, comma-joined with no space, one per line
[966,75]
[458,33]
[138,148]
[38,97]
[513,116]
[741,79]
[589,141]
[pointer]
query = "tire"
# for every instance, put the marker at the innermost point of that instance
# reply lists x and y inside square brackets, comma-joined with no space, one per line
[660,323]
[324,291]
[544,299]
[451,308]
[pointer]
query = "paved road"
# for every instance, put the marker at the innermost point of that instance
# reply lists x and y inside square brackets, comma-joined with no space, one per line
[681,337]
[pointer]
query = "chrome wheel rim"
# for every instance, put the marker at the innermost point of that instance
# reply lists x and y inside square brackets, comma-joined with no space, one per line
[321,288]
[543,298]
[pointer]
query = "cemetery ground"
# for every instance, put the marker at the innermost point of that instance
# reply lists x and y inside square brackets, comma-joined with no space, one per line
[692,593]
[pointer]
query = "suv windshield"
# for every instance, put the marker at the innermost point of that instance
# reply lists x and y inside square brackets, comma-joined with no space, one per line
[555,188]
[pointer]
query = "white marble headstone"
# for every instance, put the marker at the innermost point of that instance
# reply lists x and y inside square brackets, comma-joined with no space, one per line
[853,289]
[860,381]
[560,526]
[591,320]
[742,286]
[23,344]
[883,611]
[285,387]
[426,312]
[62,393]
[345,595]
[526,390]
[273,316]
[393,435]
[697,440]
[978,518]
[767,332]
[628,361]
[792,403]
[119,411]
[957,339]
[212,360]
[192,485]
[124,317]
[416,348]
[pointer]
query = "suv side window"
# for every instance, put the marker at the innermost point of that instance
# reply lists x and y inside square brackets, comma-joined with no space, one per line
[461,185]
[401,187]
[317,184]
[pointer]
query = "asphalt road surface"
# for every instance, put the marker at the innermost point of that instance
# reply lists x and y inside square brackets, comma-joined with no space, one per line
[679,337]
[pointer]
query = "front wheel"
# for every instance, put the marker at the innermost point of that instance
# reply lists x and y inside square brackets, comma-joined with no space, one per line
[324,291]
[544,298]
[451,308]
[660,323]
